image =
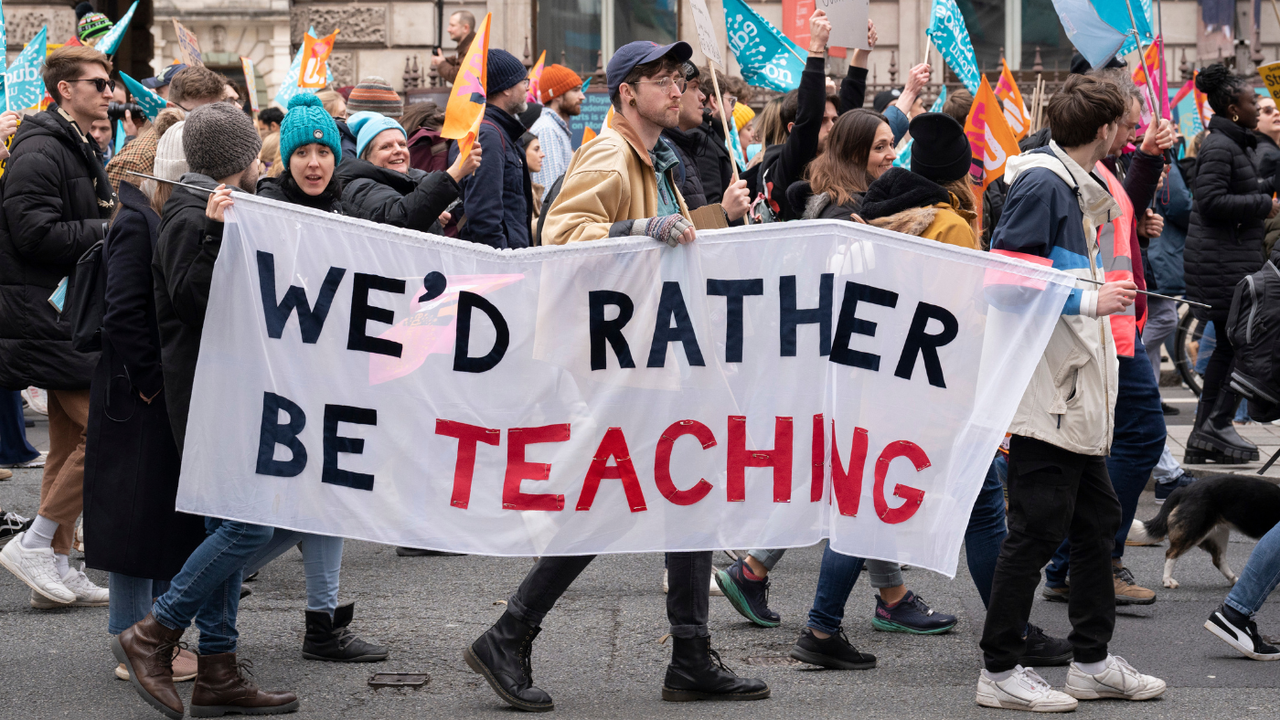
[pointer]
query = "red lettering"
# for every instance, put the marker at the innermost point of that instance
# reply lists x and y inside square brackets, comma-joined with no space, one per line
[518,470]
[662,462]
[613,445]
[819,460]
[467,437]
[912,496]
[740,458]
[847,485]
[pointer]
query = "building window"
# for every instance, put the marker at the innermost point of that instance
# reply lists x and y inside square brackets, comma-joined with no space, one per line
[582,28]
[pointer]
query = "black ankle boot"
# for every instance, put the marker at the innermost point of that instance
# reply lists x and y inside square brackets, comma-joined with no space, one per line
[696,673]
[1216,435]
[329,638]
[503,655]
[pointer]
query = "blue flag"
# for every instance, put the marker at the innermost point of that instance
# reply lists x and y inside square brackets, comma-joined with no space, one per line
[4,43]
[767,57]
[951,37]
[1097,41]
[110,42]
[119,137]
[146,98]
[24,81]
[1116,14]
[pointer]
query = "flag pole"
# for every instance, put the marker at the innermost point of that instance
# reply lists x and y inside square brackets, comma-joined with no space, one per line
[1157,103]
[723,122]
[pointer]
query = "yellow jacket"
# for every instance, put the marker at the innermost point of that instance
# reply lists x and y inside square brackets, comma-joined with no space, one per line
[609,180]
[945,222]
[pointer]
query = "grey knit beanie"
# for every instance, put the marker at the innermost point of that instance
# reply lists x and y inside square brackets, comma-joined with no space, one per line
[219,140]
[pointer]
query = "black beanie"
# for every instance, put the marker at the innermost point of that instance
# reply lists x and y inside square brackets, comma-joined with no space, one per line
[1081,66]
[940,150]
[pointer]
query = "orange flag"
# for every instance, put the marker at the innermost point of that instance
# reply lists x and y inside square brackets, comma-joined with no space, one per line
[587,135]
[465,110]
[315,53]
[1015,110]
[535,80]
[990,138]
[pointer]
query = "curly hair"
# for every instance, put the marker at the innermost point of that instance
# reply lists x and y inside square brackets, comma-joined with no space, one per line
[1220,86]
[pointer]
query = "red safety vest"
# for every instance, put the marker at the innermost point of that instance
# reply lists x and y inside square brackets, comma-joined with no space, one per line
[1115,241]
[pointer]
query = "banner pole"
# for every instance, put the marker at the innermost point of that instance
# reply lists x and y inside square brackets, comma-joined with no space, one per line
[724,123]
[1157,103]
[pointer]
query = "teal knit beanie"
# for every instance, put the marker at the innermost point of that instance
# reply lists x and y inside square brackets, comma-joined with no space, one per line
[367,125]
[308,122]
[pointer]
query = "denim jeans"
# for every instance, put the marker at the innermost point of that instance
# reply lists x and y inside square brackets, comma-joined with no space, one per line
[131,600]
[1162,324]
[1054,494]
[1259,576]
[688,597]
[321,561]
[1136,446]
[207,589]
[836,579]
[1167,469]
[986,530]
[14,447]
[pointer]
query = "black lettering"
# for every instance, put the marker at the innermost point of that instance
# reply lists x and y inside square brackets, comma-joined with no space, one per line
[433,286]
[310,320]
[921,343]
[609,330]
[273,433]
[849,324]
[789,316]
[671,307]
[462,361]
[733,292]
[334,444]
[362,312]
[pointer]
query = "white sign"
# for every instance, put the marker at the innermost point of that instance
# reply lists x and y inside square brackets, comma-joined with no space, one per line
[848,22]
[762,387]
[707,33]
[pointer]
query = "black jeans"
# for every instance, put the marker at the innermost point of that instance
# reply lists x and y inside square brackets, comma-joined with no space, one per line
[689,580]
[1054,494]
[1217,377]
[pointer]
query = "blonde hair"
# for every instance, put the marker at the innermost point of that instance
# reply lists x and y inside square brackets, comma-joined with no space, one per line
[330,99]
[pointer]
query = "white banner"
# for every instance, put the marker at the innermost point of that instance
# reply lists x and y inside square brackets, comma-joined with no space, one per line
[613,396]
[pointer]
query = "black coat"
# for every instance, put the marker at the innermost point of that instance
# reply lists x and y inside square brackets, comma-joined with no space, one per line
[284,189]
[182,270]
[691,185]
[51,214]
[1229,205]
[413,200]
[783,165]
[711,155]
[131,463]
[498,196]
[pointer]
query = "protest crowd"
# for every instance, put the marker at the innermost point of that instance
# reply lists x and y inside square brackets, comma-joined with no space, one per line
[1098,192]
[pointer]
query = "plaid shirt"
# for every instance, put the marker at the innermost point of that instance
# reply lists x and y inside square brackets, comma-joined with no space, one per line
[557,144]
[138,156]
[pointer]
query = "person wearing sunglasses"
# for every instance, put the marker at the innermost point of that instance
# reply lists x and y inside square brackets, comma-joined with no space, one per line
[57,201]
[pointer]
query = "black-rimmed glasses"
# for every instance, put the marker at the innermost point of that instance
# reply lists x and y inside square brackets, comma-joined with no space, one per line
[99,84]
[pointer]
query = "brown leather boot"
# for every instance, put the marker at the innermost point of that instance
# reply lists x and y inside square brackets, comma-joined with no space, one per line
[146,649]
[221,689]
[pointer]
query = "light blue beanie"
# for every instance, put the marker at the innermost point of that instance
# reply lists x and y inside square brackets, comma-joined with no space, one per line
[308,122]
[367,125]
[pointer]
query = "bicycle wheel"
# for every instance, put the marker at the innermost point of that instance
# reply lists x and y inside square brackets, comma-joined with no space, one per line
[1186,349]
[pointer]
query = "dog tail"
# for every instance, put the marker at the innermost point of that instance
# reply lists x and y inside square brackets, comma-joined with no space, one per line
[1155,529]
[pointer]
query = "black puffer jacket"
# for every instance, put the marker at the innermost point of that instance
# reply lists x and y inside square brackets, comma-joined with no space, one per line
[685,144]
[182,269]
[53,211]
[1230,204]
[284,189]
[715,165]
[413,200]
[807,205]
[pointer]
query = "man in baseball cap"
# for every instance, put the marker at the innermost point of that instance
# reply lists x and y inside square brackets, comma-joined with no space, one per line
[160,83]
[622,183]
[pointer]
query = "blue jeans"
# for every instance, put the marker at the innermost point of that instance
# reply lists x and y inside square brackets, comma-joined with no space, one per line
[1136,447]
[1208,342]
[1260,575]
[321,561]
[982,539]
[131,600]
[207,589]
[14,447]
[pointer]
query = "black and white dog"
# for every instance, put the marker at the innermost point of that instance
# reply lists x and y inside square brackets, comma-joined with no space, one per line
[1204,512]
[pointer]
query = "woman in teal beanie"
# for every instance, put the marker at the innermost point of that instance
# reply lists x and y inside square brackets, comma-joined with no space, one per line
[310,148]
[380,185]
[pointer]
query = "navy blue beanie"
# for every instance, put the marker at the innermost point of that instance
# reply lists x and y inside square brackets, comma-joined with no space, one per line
[505,70]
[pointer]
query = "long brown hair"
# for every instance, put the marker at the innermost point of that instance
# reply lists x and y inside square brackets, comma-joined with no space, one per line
[841,170]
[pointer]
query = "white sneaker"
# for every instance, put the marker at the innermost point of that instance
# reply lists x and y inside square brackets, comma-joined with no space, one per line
[37,399]
[87,594]
[1023,690]
[36,568]
[1118,680]
[666,586]
[715,589]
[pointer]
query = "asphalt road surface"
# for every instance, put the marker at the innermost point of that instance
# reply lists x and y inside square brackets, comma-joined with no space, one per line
[599,656]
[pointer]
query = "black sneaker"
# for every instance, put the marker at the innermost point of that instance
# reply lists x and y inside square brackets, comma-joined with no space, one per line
[1044,650]
[834,652]
[11,524]
[748,597]
[1240,633]
[1165,489]
[911,615]
[1168,409]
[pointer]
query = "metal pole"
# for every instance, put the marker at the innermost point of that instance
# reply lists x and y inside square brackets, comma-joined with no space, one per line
[1142,60]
